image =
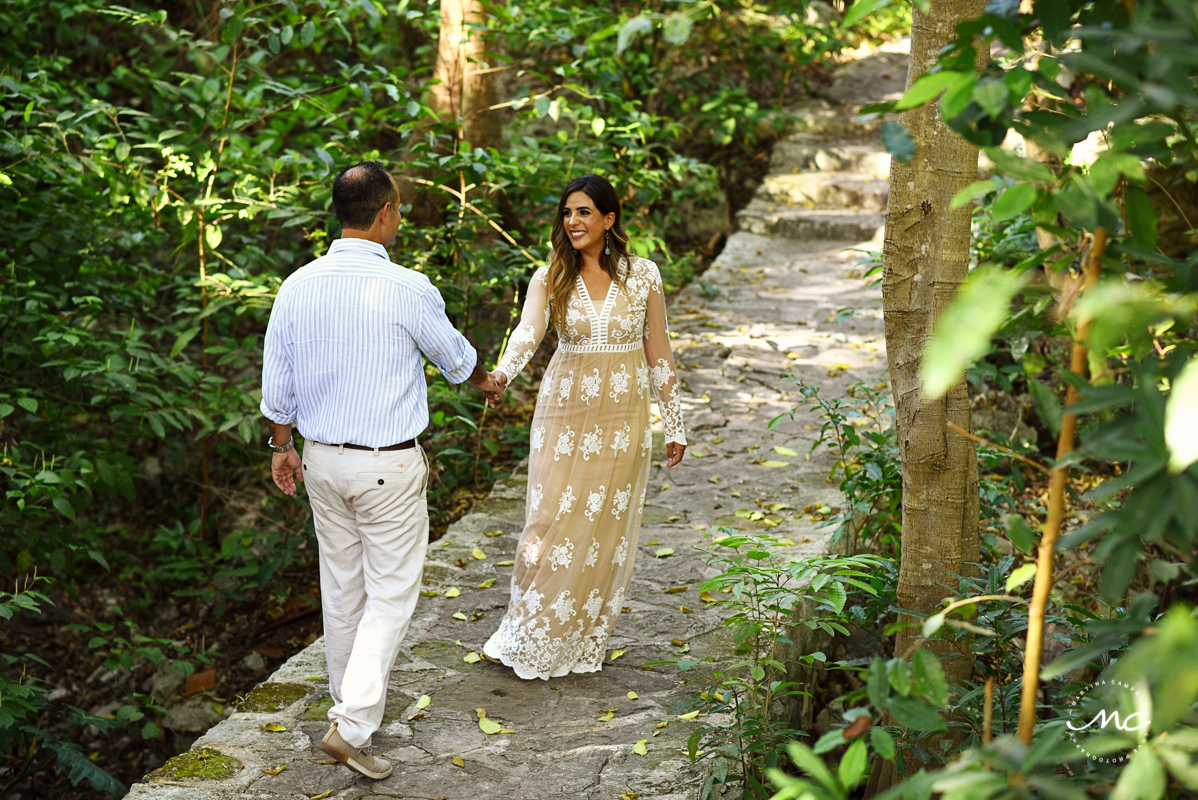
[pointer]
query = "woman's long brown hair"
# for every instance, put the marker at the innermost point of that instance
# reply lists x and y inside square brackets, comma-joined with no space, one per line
[565,262]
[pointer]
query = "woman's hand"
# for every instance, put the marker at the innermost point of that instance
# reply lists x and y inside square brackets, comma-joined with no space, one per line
[500,380]
[674,451]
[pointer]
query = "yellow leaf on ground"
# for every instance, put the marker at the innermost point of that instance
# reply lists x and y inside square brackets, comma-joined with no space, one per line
[430,594]
[640,749]
[650,544]
[487,584]
[494,533]
[736,493]
[699,527]
[275,770]
[684,609]
[506,730]
[617,653]
[458,762]
[713,479]
[676,589]
[663,724]
[453,591]
[423,702]
[460,615]
[677,642]
[662,552]
[787,542]
[321,796]
[691,715]
[707,597]
[775,464]
[717,440]
[505,563]
[272,727]
[607,716]
[478,553]
[673,519]
[770,522]
[633,695]
[472,658]
[664,486]
[489,726]
[785,451]
[482,712]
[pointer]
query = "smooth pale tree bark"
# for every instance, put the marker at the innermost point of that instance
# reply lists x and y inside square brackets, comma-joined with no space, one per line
[926,257]
[465,87]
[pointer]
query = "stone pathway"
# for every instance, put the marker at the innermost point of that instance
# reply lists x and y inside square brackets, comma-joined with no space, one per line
[766,308]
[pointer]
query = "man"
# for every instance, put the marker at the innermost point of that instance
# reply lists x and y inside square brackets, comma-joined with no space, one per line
[342,359]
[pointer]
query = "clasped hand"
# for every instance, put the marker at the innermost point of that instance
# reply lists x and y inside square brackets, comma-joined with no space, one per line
[493,386]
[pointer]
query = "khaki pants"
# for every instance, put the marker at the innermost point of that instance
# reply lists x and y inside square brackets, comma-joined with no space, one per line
[371,519]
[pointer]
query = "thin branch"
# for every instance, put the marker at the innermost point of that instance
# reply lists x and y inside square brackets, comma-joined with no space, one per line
[974,437]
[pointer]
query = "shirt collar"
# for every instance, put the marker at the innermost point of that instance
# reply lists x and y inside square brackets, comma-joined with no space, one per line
[360,246]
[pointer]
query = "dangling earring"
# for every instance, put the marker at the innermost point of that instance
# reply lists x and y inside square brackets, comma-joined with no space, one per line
[607,243]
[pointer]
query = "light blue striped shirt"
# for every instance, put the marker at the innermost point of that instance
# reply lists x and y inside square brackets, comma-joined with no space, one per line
[342,351]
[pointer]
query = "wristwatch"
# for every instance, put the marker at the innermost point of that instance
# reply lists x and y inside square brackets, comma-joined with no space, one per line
[280,448]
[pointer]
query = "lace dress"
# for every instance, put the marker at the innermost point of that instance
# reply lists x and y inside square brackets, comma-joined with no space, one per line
[588,463]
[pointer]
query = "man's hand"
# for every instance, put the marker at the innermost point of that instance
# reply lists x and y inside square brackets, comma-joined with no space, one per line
[492,385]
[286,469]
[674,451]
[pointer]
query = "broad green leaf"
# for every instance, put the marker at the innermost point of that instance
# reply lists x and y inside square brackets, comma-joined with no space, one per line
[1020,533]
[929,677]
[6,409]
[852,764]
[597,126]
[1020,576]
[962,333]
[213,236]
[1141,218]
[1013,202]
[915,713]
[1142,778]
[876,684]
[862,9]
[1023,169]
[972,192]
[122,151]
[423,702]
[489,726]
[307,33]
[898,675]
[1181,419]
[183,339]
[927,87]
[64,507]
[28,403]
[4,179]
[991,94]
[898,142]
[882,741]
[1047,404]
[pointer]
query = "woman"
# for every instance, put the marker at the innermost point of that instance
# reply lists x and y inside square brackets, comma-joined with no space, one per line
[591,440]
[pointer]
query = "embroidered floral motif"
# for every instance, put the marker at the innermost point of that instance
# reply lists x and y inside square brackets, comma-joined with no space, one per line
[532,552]
[619,503]
[616,604]
[565,444]
[532,599]
[537,441]
[534,498]
[592,443]
[622,439]
[561,555]
[619,383]
[621,552]
[641,505]
[591,387]
[563,606]
[595,502]
[565,503]
[546,387]
[646,440]
[592,554]
[516,592]
[593,605]
[642,381]
[563,388]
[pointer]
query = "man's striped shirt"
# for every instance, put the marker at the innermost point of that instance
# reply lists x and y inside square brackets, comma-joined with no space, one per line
[342,356]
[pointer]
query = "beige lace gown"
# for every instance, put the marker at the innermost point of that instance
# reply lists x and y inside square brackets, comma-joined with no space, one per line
[589,454]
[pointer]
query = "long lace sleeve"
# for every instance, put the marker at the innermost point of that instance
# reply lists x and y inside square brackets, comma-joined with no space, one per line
[534,321]
[661,362]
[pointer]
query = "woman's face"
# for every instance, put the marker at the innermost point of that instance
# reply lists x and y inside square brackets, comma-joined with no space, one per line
[584,224]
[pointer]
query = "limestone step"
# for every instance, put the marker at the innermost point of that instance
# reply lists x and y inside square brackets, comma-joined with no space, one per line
[820,118]
[804,153]
[843,190]
[805,224]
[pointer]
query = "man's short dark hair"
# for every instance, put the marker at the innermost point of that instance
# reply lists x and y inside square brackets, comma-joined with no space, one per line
[359,191]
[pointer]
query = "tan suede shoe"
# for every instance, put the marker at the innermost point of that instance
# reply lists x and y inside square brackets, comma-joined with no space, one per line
[359,759]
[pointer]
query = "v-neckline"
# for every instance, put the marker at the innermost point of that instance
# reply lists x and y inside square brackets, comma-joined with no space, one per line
[596,313]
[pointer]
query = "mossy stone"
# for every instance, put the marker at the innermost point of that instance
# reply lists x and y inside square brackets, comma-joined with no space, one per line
[447,655]
[319,709]
[268,698]
[204,764]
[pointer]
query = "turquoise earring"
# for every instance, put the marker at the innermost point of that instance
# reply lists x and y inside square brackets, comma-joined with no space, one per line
[607,243]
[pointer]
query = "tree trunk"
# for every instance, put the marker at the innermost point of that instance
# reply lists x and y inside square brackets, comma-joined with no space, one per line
[465,87]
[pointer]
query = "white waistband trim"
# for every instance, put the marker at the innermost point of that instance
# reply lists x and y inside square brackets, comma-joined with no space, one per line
[601,348]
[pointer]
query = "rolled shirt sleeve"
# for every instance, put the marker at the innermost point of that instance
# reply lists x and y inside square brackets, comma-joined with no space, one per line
[278,376]
[440,342]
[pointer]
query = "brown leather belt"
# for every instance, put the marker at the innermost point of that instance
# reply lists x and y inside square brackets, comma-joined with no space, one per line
[408,445]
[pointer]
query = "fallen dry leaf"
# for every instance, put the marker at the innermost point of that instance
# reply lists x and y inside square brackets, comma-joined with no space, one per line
[717,440]
[664,486]
[858,727]
[453,591]
[662,552]
[691,715]
[489,726]
[684,609]
[676,589]
[494,533]
[673,519]
[505,563]
[200,681]
[640,749]
[775,464]
[272,727]
[423,702]
[650,544]
[617,653]
[321,796]
[632,695]
[677,642]
[430,594]
[713,479]
[662,724]
[787,542]
[478,554]
[707,597]
[415,717]
[785,451]
[275,770]
[608,714]
[487,584]
[460,615]
[472,658]
[458,762]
